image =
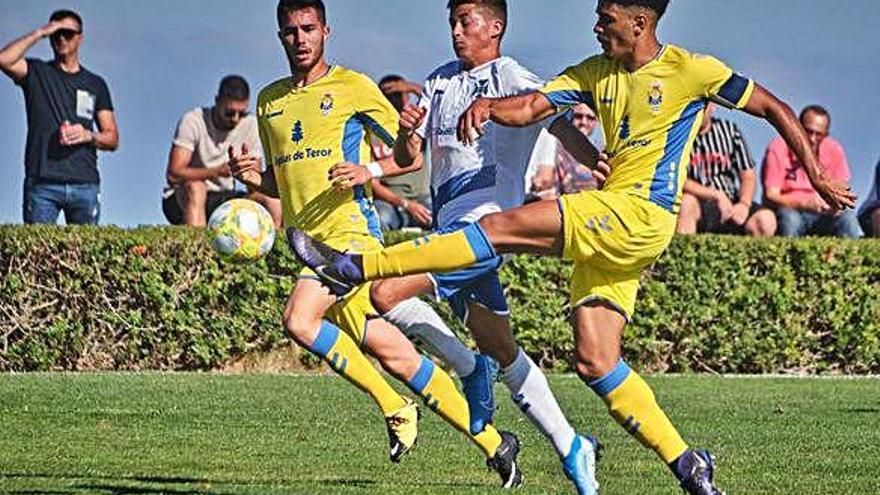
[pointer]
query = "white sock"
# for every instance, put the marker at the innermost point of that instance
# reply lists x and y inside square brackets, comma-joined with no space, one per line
[423,325]
[530,391]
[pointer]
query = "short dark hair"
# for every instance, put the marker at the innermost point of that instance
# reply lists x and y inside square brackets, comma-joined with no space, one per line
[66,14]
[658,6]
[818,110]
[234,88]
[285,6]
[498,7]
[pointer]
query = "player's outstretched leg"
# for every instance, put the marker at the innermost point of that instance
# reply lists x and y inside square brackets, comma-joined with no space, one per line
[341,272]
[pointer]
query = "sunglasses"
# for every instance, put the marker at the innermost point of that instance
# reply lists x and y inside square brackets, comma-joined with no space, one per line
[66,34]
[229,114]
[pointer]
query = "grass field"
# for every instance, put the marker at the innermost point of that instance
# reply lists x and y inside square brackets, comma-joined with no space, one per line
[204,434]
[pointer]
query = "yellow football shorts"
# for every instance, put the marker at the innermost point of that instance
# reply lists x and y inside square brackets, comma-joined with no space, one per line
[611,237]
[351,313]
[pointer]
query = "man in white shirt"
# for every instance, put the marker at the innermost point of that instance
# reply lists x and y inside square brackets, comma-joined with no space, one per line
[199,179]
[469,182]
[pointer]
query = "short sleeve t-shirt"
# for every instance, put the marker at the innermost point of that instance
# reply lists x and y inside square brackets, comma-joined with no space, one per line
[209,145]
[52,97]
[783,170]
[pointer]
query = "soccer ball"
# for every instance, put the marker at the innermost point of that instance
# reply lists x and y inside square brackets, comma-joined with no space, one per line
[242,229]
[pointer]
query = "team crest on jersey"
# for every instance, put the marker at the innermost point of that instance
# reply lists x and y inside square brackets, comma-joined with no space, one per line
[296,134]
[655,96]
[326,104]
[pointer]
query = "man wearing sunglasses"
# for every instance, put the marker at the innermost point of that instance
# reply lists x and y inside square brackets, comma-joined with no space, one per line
[70,117]
[199,179]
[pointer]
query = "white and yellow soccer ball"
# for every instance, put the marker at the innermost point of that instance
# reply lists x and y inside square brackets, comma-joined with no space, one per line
[242,229]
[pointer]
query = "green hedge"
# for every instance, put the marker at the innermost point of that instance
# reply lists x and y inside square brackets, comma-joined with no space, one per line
[157,298]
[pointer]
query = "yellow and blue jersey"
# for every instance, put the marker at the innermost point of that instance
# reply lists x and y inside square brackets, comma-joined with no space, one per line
[305,131]
[650,117]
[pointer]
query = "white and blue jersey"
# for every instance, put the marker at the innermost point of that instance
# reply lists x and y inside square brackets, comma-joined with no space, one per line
[469,182]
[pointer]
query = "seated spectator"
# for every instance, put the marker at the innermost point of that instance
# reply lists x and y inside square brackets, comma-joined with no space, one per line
[787,190]
[552,170]
[869,214]
[199,179]
[402,201]
[720,187]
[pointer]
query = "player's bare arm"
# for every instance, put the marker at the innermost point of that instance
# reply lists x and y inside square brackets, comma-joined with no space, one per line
[12,61]
[408,146]
[514,111]
[764,104]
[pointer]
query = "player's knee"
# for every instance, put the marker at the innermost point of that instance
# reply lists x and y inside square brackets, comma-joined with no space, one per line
[494,225]
[383,296]
[301,330]
[591,366]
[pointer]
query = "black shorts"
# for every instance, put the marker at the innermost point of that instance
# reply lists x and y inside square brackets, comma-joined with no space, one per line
[710,220]
[174,213]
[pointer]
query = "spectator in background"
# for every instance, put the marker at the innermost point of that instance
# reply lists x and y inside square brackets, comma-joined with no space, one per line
[720,187]
[552,170]
[199,179]
[402,201]
[70,117]
[869,214]
[787,189]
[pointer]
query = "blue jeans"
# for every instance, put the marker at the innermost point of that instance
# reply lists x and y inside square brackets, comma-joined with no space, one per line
[43,202]
[797,223]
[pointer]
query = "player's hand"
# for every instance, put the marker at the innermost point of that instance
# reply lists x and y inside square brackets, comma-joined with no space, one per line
[244,167]
[602,170]
[836,194]
[815,204]
[75,135]
[470,124]
[739,213]
[725,207]
[346,175]
[411,118]
[419,212]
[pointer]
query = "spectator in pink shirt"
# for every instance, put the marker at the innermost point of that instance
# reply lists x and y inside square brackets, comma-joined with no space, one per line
[799,210]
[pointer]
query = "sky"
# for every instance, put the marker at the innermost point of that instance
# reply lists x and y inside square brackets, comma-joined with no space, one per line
[162,58]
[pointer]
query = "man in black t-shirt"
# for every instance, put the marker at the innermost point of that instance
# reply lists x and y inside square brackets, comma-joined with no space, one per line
[70,117]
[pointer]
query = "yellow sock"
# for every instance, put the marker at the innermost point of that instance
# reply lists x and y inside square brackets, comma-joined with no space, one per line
[440,395]
[433,253]
[346,359]
[632,404]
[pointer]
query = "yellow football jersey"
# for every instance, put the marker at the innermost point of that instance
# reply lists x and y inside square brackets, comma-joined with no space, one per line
[650,117]
[305,131]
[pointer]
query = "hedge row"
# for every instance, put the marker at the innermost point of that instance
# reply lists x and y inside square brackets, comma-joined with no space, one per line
[157,298]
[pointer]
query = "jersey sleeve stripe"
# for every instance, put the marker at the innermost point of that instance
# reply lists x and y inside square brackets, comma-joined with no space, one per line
[732,92]
[664,185]
[376,129]
[571,97]
[352,137]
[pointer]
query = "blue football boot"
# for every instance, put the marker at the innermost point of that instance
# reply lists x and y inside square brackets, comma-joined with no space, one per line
[340,272]
[694,470]
[580,464]
[479,393]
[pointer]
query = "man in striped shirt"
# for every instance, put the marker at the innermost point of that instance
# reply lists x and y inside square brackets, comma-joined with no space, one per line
[720,186]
